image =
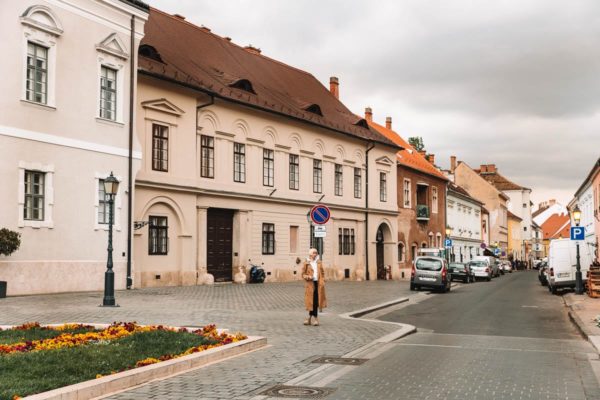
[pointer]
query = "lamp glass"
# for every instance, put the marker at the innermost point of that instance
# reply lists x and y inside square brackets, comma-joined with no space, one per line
[111,185]
[577,215]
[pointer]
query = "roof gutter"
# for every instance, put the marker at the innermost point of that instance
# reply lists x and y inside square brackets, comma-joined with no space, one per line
[217,95]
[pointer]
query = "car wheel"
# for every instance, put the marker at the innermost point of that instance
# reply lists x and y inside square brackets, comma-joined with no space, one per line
[448,288]
[553,290]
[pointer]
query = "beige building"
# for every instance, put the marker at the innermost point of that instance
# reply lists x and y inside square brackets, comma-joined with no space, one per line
[493,199]
[237,148]
[63,128]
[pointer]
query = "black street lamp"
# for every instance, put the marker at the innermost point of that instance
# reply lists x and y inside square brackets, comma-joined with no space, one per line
[578,277]
[111,186]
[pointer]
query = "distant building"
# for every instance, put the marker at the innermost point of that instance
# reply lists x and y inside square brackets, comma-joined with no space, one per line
[556,227]
[537,245]
[466,222]
[547,209]
[516,243]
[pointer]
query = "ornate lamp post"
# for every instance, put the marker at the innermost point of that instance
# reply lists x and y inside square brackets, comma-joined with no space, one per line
[578,278]
[448,234]
[111,187]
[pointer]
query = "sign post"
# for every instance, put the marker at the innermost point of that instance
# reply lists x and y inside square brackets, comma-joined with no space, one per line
[578,234]
[319,216]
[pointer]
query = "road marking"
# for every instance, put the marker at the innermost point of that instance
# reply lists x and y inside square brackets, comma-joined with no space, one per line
[488,348]
[529,306]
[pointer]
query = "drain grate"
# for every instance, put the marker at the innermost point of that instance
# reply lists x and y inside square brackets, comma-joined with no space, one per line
[340,360]
[298,392]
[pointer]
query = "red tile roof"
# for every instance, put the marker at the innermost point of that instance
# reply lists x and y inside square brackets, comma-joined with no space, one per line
[557,226]
[500,182]
[458,189]
[408,156]
[180,52]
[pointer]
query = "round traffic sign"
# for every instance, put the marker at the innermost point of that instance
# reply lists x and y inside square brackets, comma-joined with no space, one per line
[320,214]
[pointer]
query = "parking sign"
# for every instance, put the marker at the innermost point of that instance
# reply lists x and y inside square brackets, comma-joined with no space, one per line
[577,233]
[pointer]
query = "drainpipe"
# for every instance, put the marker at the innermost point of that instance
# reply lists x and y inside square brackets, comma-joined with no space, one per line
[370,146]
[130,155]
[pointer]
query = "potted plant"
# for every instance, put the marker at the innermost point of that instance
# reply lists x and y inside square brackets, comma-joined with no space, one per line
[9,243]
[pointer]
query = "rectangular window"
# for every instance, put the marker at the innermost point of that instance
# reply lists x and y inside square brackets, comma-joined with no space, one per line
[268,167]
[34,196]
[406,193]
[346,241]
[340,241]
[524,205]
[160,147]
[268,238]
[108,93]
[317,176]
[339,180]
[382,186]
[357,183]
[158,236]
[207,156]
[239,162]
[434,200]
[103,208]
[293,239]
[352,242]
[37,73]
[294,172]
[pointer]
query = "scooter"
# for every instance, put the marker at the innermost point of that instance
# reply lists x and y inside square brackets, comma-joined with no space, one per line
[257,273]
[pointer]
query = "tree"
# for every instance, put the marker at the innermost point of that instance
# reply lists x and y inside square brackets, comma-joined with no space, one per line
[9,241]
[416,142]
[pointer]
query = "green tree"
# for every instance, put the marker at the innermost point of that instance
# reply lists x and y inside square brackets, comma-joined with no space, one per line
[416,142]
[9,241]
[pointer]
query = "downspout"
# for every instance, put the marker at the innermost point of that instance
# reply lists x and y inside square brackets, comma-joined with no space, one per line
[370,146]
[130,155]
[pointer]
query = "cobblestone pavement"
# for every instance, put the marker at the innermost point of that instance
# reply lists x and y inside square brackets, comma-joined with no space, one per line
[271,310]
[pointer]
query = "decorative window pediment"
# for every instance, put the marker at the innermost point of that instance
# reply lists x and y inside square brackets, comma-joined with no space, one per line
[113,45]
[42,18]
[384,160]
[163,105]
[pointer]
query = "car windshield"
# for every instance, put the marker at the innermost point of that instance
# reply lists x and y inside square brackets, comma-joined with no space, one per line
[429,264]
[477,264]
[456,265]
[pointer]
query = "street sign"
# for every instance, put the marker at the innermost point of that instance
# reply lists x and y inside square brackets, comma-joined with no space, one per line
[448,243]
[496,252]
[577,233]
[320,214]
[321,234]
[483,245]
[320,228]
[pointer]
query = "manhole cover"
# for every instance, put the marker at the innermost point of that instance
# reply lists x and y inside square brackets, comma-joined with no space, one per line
[297,392]
[340,360]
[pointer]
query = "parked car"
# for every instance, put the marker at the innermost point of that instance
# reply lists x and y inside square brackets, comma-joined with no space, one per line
[461,271]
[562,264]
[481,269]
[542,273]
[491,262]
[500,269]
[429,271]
[506,266]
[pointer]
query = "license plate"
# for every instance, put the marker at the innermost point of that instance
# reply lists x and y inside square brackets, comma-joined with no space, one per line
[563,275]
[427,279]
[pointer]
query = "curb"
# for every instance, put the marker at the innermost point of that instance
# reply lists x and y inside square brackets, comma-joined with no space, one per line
[579,324]
[127,379]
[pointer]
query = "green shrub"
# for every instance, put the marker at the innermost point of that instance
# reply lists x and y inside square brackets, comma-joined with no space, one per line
[9,241]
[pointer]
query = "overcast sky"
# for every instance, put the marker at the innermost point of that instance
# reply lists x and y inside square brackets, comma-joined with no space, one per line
[515,83]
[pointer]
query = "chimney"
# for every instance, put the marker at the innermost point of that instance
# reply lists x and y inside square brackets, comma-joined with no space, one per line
[252,49]
[452,164]
[492,168]
[179,16]
[432,159]
[369,114]
[422,152]
[483,168]
[388,122]
[205,28]
[552,202]
[334,86]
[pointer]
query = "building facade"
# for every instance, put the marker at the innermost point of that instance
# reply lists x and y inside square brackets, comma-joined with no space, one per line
[421,199]
[586,197]
[234,159]
[465,221]
[63,128]
[516,242]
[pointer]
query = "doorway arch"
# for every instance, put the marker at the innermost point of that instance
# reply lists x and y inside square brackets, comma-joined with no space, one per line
[382,237]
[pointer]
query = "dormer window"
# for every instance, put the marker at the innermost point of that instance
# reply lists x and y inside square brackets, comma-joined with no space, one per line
[314,108]
[150,52]
[362,122]
[243,84]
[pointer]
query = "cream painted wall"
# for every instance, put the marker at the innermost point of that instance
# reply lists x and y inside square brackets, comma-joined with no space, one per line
[67,251]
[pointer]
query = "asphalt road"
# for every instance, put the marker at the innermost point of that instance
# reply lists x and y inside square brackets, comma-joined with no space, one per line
[504,339]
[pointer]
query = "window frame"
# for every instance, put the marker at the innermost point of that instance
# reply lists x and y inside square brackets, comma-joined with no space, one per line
[207,156]
[268,238]
[401,252]
[294,171]
[114,91]
[434,199]
[339,179]
[156,232]
[160,155]
[34,196]
[239,162]
[382,187]
[33,67]
[357,182]
[103,204]
[268,167]
[317,176]
[406,193]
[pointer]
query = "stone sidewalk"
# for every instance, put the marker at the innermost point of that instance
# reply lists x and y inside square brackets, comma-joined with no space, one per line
[273,310]
[583,312]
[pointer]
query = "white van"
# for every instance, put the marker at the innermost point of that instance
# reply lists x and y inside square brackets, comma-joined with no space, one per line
[491,262]
[562,263]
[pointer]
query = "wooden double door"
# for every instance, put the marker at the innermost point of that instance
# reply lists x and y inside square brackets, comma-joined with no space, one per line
[219,244]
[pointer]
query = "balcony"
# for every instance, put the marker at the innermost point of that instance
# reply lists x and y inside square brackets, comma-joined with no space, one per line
[422,212]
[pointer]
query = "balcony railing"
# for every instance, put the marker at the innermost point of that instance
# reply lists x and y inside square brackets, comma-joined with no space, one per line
[422,212]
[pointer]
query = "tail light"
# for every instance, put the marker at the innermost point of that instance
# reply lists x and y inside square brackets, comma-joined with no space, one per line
[413,271]
[487,270]
[551,271]
[444,273]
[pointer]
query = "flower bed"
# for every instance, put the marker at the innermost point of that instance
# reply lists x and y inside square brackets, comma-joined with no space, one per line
[53,357]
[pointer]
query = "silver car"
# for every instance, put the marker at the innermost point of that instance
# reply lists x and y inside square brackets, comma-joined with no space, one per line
[481,269]
[432,272]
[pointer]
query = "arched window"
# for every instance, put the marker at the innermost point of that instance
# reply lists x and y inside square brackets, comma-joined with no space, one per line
[431,242]
[401,252]
[439,240]
[413,251]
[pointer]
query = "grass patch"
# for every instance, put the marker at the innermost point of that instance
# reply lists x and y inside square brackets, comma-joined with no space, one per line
[34,372]
[38,333]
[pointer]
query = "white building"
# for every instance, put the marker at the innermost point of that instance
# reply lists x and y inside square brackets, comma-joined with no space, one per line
[465,219]
[64,126]
[584,198]
[546,209]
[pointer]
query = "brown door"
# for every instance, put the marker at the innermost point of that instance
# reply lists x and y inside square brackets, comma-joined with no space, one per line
[219,235]
[379,250]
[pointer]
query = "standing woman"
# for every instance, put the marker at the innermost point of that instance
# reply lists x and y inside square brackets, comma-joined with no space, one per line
[313,274]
